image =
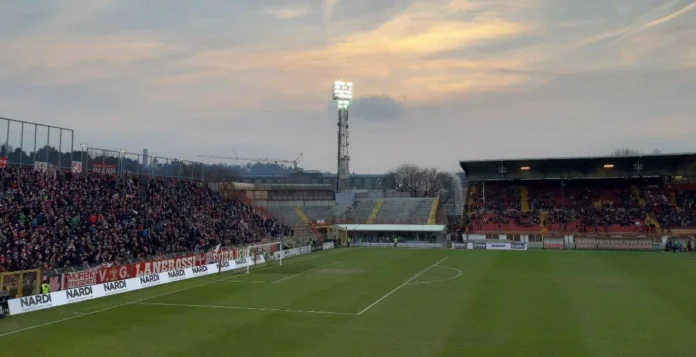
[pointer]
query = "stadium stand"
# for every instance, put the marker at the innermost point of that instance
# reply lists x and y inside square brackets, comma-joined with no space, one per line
[75,220]
[594,201]
[405,211]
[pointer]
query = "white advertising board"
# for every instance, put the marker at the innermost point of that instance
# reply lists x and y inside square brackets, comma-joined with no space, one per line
[74,295]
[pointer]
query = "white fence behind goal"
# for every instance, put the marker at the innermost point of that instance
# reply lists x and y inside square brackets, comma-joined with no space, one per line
[269,253]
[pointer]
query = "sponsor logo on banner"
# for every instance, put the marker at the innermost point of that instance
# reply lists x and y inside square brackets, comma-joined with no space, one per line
[165,265]
[113,273]
[304,250]
[201,270]
[36,302]
[224,266]
[3,162]
[518,246]
[79,294]
[80,278]
[498,246]
[240,262]
[327,245]
[104,169]
[76,167]
[479,245]
[115,287]
[175,275]
[149,280]
[458,245]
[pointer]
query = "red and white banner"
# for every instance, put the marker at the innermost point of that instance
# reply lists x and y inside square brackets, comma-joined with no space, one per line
[120,272]
[79,279]
[76,167]
[165,265]
[3,162]
[226,255]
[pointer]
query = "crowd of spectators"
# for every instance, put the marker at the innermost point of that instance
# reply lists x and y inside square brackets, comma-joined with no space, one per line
[590,208]
[680,215]
[78,219]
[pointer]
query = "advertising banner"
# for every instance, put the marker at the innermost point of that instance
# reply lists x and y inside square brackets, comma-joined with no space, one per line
[107,288]
[458,245]
[120,272]
[79,279]
[3,162]
[104,169]
[327,245]
[498,246]
[164,265]
[478,246]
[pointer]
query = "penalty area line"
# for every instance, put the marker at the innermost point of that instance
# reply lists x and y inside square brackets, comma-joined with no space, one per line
[401,286]
[247,308]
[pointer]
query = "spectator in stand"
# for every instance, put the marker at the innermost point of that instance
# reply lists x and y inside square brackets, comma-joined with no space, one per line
[92,219]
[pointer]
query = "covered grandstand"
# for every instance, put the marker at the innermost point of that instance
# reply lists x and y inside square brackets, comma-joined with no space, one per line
[650,196]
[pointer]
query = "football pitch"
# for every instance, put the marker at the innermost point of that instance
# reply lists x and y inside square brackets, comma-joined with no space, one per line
[390,302]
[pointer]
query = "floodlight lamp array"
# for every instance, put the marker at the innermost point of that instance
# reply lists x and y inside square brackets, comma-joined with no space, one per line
[343,90]
[343,104]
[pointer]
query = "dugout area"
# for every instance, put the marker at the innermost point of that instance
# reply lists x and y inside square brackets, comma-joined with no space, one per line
[389,302]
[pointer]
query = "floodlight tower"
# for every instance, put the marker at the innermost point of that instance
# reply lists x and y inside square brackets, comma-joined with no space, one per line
[343,94]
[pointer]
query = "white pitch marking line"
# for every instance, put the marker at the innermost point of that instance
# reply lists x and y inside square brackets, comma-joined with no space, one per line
[306,271]
[402,285]
[136,301]
[78,313]
[247,308]
[439,280]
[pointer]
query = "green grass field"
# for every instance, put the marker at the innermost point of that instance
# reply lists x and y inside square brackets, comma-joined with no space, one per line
[390,302]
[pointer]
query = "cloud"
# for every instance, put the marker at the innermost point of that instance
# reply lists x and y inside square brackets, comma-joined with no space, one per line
[288,12]
[377,108]
[659,21]
[536,78]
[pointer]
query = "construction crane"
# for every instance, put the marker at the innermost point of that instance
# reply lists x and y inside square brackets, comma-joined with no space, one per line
[254,159]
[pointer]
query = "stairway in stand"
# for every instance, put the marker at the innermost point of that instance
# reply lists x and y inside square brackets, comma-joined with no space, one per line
[637,195]
[652,219]
[673,201]
[375,212]
[524,197]
[432,216]
[544,228]
[302,215]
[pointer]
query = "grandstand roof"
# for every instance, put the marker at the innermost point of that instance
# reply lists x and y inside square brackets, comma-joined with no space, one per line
[392,227]
[581,167]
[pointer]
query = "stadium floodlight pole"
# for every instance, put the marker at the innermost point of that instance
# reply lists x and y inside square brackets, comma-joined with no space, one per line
[82,153]
[343,94]
[121,157]
[203,171]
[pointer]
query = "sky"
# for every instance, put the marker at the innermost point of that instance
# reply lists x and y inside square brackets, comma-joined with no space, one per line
[435,81]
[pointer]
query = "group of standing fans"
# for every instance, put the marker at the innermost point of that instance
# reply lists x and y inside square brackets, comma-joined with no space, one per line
[87,219]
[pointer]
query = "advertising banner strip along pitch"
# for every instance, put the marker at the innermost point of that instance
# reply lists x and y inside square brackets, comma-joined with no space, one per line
[106,287]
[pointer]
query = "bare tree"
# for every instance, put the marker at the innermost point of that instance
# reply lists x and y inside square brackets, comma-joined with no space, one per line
[626,152]
[419,181]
